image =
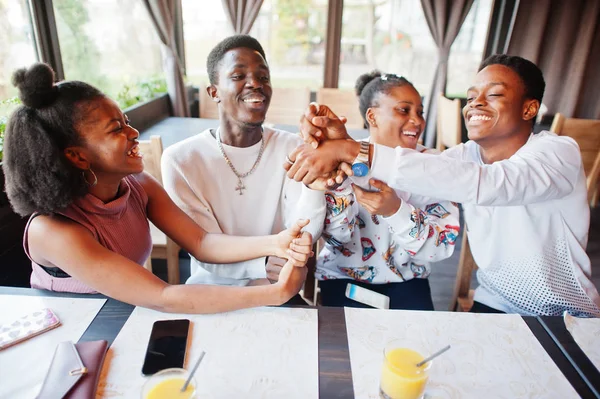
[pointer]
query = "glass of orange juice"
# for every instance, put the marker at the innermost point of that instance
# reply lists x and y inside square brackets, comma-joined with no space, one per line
[400,376]
[167,384]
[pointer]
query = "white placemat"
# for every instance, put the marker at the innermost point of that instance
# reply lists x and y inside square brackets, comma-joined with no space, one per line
[492,355]
[254,353]
[24,366]
[586,332]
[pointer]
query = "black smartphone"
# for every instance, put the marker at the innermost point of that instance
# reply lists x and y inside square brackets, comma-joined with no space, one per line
[166,347]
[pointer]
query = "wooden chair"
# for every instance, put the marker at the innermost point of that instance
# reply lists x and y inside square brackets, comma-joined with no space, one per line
[462,299]
[287,105]
[449,123]
[208,108]
[162,246]
[343,103]
[586,133]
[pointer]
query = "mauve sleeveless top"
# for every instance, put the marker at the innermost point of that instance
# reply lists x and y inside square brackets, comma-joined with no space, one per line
[120,225]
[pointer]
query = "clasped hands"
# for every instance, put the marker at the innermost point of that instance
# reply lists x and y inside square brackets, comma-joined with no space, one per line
[293,248]
[323,162]
[316,163]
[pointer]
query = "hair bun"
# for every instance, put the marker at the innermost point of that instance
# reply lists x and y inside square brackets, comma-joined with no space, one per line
[36,85]
[364,80]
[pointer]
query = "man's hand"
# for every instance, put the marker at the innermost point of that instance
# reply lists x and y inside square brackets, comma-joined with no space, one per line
[295,245]
[384,203]
[332,180]
[290,281]
[274,266]
[320,123]
[308,164]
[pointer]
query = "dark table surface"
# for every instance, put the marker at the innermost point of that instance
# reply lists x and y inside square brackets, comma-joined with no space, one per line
[335,377]
[174,129]
[556,329]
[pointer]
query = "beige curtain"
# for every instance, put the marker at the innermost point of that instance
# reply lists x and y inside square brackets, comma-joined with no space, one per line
[162,13]
[242,14]
[444,18]
[563,39]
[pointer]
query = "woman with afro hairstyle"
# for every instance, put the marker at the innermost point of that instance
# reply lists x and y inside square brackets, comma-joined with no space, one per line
[71,161]
[380,238]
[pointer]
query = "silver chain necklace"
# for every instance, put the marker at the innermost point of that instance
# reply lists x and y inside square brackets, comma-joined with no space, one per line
[240,187]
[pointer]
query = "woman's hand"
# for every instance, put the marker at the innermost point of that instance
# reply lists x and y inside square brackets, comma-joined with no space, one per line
[385,202]
[291,280]
[294,244]
[273,267]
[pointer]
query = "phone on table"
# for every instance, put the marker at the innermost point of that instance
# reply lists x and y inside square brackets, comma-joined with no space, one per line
[368,297]
[28,326]
[167,345]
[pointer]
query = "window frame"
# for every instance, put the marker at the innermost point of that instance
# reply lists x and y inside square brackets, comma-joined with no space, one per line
[333,44]
[46,35]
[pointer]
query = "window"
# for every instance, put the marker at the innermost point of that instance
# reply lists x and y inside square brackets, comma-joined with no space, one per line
[467,49]
[17,50]
[18,44]
[204,25]
[393,36]
[112,45]
[292,32]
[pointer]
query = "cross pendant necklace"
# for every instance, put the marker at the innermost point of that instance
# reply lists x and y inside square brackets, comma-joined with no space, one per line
[240,187]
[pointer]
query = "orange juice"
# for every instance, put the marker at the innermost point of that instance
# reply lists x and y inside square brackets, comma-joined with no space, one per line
[170,389]
[400,377]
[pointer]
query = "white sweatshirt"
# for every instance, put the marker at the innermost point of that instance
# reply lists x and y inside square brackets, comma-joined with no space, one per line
[527,219]
[379,250]
[201,183]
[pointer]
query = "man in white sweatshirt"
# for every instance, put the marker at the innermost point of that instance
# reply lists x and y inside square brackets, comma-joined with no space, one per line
[229,179]
[524,196]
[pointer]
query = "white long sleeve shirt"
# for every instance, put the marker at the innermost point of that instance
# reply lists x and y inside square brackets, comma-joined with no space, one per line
[381,250]
[527,219]
[201,183]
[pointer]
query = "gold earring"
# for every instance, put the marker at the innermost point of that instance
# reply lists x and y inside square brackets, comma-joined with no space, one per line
[85,179]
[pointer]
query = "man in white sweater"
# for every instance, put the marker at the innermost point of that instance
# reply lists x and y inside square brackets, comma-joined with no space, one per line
[229,179]
[524,195]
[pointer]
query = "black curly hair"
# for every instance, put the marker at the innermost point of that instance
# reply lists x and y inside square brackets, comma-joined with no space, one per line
[216,54]
[368,85]
[531,75]
[39,178]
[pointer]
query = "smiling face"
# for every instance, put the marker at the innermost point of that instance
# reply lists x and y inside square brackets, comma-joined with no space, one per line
[397,119]
[244,87]
[497,108]
[110,145]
